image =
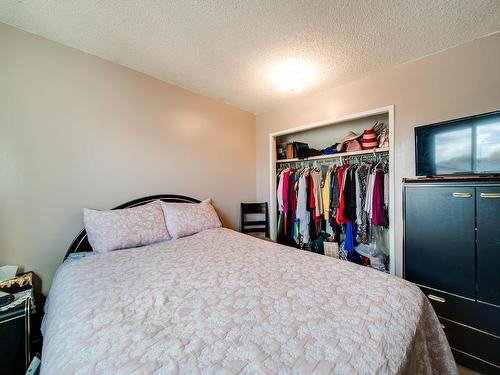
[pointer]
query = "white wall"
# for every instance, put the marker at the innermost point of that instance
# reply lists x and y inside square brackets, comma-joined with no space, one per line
[461,81]
[78,131]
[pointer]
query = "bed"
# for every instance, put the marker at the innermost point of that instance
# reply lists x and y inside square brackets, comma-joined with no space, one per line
[223,302]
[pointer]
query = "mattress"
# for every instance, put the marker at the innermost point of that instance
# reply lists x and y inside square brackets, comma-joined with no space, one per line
[223,302]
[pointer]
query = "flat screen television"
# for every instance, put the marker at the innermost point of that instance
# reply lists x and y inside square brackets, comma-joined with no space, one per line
[465,146]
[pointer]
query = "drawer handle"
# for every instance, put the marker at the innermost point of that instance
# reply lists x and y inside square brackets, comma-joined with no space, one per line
[462,195]
[436,298]
[490,195]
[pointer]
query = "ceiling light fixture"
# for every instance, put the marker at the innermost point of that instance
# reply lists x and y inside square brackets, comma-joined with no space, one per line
[292,75]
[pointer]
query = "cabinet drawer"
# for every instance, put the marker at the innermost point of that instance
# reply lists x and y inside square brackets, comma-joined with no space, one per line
[471,313]
[481,345]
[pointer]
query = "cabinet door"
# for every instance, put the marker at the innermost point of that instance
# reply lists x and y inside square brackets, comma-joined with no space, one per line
[488,244]
[12,344]
[440,238]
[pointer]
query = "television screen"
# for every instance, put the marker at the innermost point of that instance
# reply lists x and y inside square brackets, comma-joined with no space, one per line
[464,146]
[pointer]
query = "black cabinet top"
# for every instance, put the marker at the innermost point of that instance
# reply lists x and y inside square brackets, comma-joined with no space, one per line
[464,180]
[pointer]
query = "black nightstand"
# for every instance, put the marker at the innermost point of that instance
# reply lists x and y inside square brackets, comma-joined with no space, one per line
[15,327]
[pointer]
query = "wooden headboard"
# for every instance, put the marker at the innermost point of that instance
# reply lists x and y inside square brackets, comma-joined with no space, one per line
[81,243]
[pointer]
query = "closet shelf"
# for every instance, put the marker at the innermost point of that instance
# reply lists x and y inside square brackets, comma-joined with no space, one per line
[333,156]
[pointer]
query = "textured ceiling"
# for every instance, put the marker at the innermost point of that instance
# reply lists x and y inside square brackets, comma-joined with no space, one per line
[228,49]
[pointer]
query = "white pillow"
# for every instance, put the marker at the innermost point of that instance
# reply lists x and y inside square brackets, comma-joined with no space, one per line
[129,227]
[185,219]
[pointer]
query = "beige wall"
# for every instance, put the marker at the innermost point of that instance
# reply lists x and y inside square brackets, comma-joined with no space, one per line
[77,131]
[461,81]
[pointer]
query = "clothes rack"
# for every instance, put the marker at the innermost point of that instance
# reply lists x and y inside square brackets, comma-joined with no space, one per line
[325,185]
[301,163]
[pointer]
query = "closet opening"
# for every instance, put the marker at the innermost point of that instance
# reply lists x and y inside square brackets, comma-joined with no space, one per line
[332,188]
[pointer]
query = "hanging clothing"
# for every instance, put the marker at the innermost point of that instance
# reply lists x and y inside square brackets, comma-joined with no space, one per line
[369,193]
[284,193]
[358,193]
[295,231]
[378,211]
[303,215]
[334,197]
[340,219]
[312,197]
[279,191]
[318,200]
[292,204]
[350,194]
[362,220]
[325,193]
[386,191]
[279,197]
[350,199]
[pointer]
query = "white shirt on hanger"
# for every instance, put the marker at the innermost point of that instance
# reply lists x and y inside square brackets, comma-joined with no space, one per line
[302,214]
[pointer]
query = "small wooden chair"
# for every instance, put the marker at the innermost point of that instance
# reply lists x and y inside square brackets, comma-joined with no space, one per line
[254,226]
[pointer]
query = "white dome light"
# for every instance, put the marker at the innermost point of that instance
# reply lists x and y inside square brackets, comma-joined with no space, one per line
[292,75]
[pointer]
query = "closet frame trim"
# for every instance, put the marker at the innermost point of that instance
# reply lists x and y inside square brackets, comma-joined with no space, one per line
[389,110]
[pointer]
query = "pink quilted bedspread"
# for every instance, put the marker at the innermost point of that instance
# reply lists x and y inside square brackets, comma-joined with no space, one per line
[223,302]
